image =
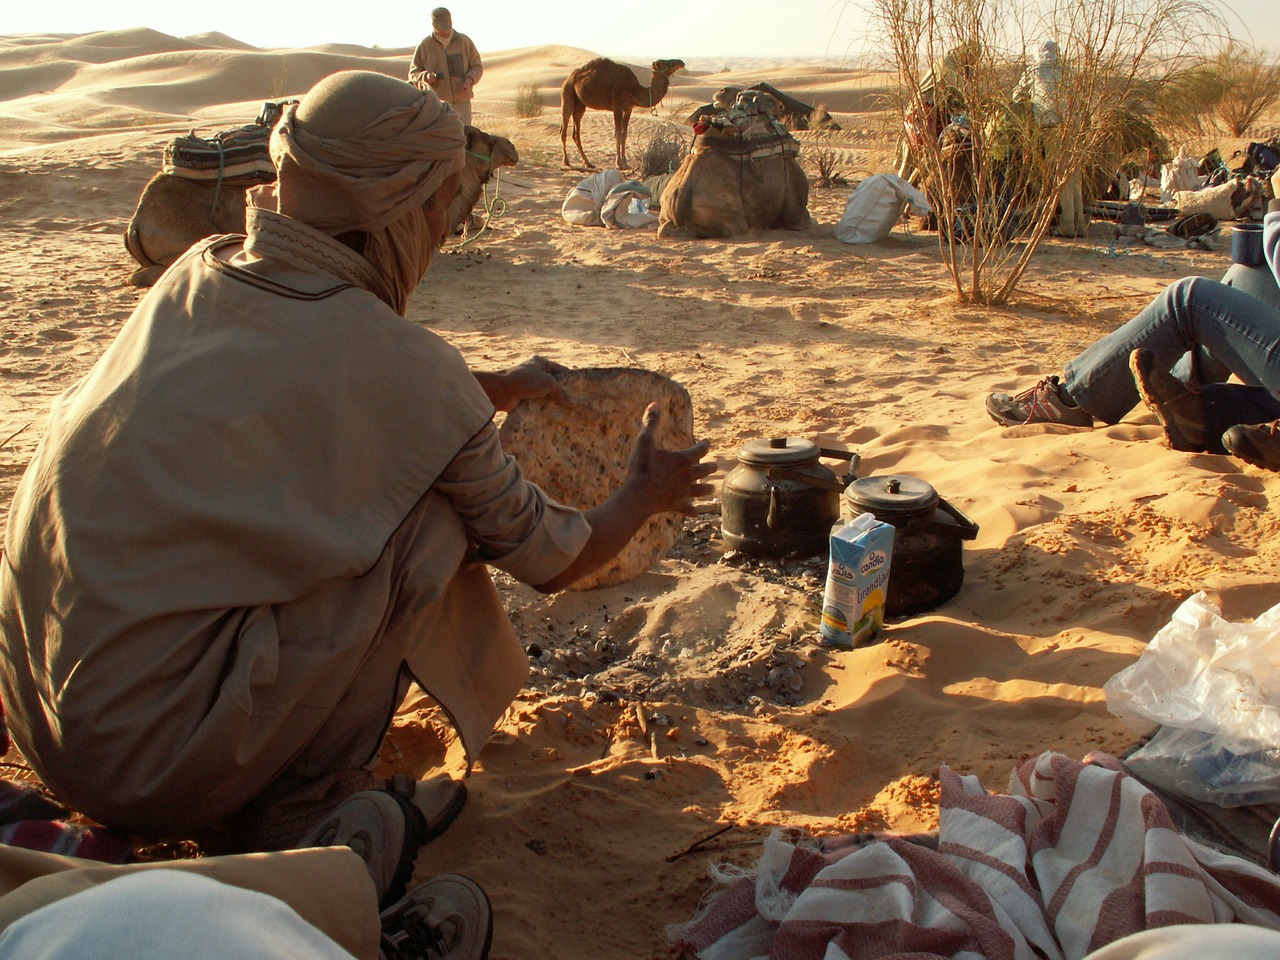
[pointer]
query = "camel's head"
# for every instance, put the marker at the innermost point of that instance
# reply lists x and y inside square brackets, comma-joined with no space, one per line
[666,67]
[492,151]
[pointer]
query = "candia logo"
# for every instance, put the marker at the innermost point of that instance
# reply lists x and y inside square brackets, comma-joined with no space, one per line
[873,562]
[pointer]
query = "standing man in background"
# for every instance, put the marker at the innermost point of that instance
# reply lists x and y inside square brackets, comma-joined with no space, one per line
[447,63]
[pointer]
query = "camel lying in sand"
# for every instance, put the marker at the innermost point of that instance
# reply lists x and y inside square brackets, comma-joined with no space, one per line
[717,194]
[601,84]
[173,213]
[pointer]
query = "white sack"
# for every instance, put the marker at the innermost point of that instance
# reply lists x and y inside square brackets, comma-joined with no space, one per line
[583,203]
[875,205]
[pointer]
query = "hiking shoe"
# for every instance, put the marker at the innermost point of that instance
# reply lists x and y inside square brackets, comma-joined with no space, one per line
[388,827]
[1258,444]
[1043,403]
[1177,405]
[447,918]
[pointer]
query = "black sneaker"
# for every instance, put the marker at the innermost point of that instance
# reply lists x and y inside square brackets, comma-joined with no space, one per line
[1258,444]
[447,918]
[1176,405]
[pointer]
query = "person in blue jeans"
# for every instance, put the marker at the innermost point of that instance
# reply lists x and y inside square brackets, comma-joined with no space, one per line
[1175,356]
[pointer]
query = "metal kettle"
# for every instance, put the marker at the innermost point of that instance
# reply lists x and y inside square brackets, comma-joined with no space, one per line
[780,500]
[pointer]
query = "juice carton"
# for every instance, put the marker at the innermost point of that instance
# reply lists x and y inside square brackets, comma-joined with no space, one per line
[857,581]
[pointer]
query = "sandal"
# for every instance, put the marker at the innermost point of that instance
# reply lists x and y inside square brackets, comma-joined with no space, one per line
[386,828]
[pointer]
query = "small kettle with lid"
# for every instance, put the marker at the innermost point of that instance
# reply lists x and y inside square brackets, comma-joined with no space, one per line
[928,565]
[779,500]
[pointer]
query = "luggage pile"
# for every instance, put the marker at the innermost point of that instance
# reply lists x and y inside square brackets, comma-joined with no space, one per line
[747,128]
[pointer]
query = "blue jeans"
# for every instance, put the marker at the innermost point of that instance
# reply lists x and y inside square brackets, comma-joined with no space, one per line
[1202,331]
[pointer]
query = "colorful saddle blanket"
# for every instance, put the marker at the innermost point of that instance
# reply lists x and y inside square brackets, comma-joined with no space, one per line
[239,154]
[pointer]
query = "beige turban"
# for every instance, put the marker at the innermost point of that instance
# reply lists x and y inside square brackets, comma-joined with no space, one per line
[375,174]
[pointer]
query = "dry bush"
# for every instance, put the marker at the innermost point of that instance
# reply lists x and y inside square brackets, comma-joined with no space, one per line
[822,159]
[1111,51]
[1183,102]
[1251,87]
[528,103]
[821,119]
[663,151]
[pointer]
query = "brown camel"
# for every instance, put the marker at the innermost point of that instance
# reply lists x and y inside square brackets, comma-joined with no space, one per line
[174,213]
[716,194]
[602,84]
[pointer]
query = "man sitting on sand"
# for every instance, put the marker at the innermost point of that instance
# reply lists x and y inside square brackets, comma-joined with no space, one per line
[269,507]
[1175,355]
[447,62]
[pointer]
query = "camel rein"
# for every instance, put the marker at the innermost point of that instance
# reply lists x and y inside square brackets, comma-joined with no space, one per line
[217,187]
[494,209]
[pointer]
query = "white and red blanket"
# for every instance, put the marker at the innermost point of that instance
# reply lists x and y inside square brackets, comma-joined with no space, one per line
[1074,857]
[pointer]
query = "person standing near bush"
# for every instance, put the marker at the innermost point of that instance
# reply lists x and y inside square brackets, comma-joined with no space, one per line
[1038,89]
[448,63]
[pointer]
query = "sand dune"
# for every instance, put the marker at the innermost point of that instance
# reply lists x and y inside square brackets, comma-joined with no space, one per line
[697,695]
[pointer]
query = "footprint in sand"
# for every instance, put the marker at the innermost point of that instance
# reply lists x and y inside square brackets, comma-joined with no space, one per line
[57,333]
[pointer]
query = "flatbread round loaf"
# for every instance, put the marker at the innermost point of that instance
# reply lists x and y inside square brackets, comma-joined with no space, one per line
[578,454]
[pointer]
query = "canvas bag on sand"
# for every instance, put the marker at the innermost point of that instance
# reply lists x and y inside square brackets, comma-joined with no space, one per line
[1215,201]
[1179,174]
[875,205]
[583,204]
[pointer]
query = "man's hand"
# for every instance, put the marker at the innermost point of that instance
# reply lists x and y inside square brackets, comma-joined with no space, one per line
[657,481]
[533,379]
[666,480]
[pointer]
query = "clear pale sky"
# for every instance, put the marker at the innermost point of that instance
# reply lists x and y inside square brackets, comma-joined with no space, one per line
[653,29]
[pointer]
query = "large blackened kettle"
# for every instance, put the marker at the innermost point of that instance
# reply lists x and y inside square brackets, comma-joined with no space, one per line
[928,563]
[779,500]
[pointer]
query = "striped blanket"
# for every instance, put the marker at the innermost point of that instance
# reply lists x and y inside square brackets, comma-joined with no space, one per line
[1074,857]
[29,819]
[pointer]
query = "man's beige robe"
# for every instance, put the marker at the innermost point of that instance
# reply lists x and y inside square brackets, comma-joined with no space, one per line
[269,494]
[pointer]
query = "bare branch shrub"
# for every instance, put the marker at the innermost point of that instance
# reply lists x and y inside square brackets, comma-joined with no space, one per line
[822,159]
[663,151]
[528,103]
[996,196]
[1251,87]
[821,118]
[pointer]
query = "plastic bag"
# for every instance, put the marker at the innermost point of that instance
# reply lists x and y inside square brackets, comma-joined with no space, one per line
[1214,686]
[1200,766]
[626,207]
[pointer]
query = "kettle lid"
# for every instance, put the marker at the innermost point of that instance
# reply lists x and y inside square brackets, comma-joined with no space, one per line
[779,450]
[892,495]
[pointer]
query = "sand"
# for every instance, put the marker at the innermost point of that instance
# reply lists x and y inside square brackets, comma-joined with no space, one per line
[697,697]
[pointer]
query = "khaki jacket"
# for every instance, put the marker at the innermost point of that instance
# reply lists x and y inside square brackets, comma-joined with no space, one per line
[452,64]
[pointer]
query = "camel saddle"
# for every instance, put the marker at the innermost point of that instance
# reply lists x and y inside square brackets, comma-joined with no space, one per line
[759,147]
[746,129]
[239,154]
